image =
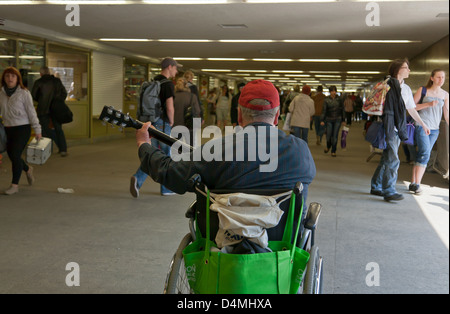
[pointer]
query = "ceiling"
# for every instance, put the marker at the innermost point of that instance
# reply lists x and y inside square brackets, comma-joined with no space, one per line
[422,22]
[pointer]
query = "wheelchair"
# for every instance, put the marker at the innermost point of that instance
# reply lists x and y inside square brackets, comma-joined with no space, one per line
[176,279]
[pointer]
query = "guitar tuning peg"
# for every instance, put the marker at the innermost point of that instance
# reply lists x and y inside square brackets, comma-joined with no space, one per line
[110,110]
[127,117]
[106,119]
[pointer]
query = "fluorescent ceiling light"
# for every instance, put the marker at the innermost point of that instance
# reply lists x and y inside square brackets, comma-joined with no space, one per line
[124,39]
[376,41]
[319,60]
[216,70]
[6,57]
[185,40]
[245,40]
[274,60]
[187,59]
[259,71]
[324,75]
[96,2]
[17,2]
[287,71]
[287,1]
[184,1]
[363,72]
[369,60]
[31,57]
[311,40]
[226,59]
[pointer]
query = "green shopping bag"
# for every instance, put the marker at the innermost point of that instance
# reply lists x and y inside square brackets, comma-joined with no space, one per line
[277,272]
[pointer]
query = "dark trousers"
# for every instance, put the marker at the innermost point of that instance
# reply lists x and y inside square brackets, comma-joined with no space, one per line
[56,134]
[17,139]
[333,127]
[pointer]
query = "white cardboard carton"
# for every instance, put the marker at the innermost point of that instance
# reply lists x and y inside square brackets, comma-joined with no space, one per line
[39,152]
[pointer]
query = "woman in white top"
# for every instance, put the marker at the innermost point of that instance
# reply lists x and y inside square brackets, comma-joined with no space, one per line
[19,115]
[430,110]
[223,106]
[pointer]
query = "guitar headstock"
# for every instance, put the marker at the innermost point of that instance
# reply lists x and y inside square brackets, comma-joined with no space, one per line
[117,117]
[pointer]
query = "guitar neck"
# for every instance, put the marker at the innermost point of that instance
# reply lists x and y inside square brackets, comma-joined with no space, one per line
[116,117]
[161,136]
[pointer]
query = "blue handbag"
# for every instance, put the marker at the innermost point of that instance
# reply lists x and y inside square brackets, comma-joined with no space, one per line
[410,128]
[375,135]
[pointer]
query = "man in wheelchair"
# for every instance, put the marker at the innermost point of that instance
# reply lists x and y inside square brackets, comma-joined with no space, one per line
[258,110]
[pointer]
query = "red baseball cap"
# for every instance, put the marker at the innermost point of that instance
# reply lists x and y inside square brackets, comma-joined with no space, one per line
[259,89]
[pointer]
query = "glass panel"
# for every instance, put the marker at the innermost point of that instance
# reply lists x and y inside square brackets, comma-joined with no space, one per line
[31,59]
[135,75]
[7,53]
[71,66]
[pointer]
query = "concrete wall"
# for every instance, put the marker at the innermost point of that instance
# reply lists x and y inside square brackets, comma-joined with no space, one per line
[434,57]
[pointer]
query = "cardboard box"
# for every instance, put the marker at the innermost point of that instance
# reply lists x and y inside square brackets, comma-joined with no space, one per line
[39,152]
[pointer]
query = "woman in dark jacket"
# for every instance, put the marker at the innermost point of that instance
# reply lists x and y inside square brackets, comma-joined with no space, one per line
[333,115]
[394,119]
[182,101]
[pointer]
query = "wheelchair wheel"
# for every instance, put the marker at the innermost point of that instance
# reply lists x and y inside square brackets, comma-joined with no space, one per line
[176,280]
[314,271]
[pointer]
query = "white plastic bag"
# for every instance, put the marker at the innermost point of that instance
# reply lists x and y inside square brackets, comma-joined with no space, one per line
[245,216]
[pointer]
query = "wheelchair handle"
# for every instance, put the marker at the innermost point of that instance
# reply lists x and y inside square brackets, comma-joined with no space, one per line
[298,188]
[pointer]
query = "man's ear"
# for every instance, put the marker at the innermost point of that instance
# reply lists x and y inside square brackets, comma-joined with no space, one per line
[275,121]
[240,116]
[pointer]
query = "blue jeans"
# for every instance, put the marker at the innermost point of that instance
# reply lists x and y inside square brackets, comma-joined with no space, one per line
[300,132]
[320,129]
[385,176]
[140,175]
[333,133]
[425,144]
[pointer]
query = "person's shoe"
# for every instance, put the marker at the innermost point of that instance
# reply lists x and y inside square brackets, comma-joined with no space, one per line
[13,189]
[393,197]
[416,189]
[30,177]
[376,192]
[326,150]
[412,187]
[168,193]
[333,154]
[134,190]
[63,154]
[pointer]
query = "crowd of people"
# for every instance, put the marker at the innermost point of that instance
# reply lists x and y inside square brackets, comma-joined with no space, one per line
[254,103]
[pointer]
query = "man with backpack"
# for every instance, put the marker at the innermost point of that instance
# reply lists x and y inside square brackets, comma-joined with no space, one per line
[159,110]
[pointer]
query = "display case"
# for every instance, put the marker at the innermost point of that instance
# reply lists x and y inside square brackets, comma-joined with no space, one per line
[31,59]
[135,74]
[7,53]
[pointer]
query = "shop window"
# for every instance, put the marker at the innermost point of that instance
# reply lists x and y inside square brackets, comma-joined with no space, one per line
[7,53]
[71,66]
[31,59]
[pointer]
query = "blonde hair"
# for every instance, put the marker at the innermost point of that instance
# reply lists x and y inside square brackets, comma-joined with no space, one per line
[181,85]
[188,75]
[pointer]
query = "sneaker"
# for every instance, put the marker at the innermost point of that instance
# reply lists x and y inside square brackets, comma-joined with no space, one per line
[168,193]
[326,150]
[393,197]
[63,154]
[30,177]
[13,189]
[134,190]
[376,192]
[412,187]
[418,190]
[333,154]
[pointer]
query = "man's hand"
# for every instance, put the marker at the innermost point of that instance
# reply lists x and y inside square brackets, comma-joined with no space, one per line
[142,135]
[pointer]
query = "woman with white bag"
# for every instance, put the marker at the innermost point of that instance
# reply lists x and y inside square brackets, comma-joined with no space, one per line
[19,116]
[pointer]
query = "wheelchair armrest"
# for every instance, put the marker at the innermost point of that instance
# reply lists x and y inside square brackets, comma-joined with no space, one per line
[298,188]
[312,217]
[190,213]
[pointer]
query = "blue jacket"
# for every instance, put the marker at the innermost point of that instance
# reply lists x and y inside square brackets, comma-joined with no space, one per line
[294,163]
